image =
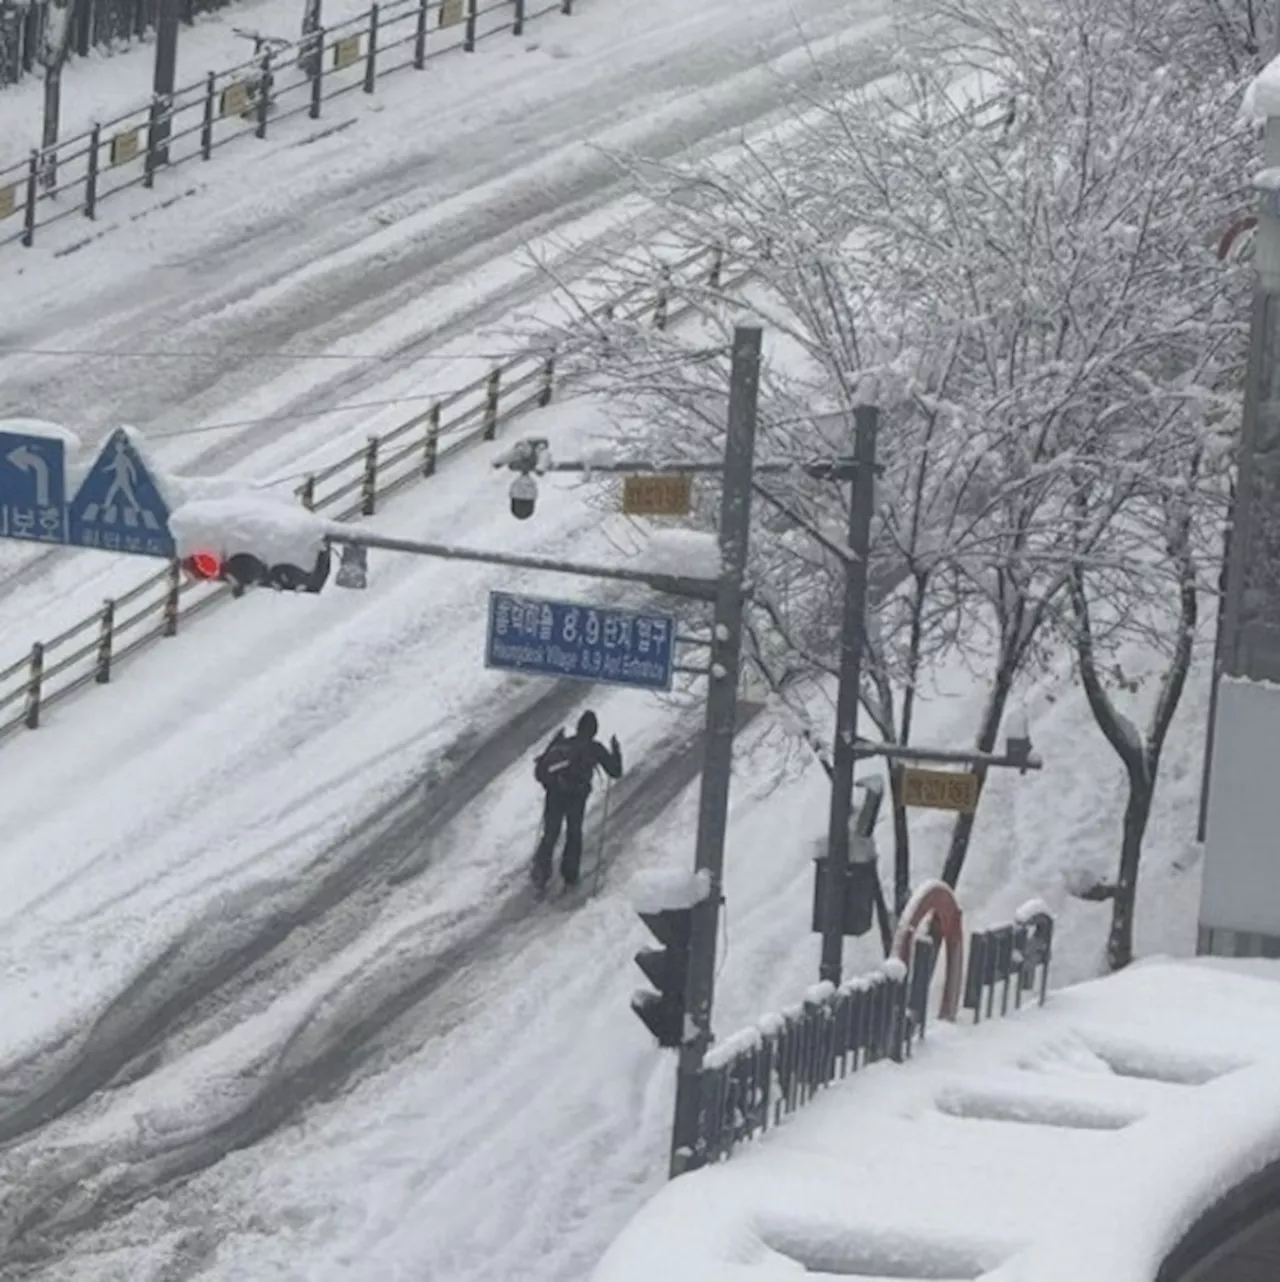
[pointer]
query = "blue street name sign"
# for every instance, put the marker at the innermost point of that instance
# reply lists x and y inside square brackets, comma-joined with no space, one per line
[32,488]
[118,506]
[591,643]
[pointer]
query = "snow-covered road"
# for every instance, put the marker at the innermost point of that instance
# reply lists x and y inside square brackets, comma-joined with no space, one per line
[277,1004]
[401,240]
[275,1001]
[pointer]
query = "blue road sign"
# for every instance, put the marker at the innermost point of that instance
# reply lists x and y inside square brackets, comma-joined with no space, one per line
[32,488]
[119,506]
[591,643]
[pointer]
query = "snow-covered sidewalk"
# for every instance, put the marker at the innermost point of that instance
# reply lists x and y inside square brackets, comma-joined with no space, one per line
[1128,1105]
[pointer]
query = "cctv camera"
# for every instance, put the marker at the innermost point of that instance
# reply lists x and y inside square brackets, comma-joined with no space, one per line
[524,494]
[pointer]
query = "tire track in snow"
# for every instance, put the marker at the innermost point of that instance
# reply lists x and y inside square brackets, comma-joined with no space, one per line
[366,1025]
[210,964]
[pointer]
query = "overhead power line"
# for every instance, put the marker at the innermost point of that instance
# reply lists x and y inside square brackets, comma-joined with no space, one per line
[232,354]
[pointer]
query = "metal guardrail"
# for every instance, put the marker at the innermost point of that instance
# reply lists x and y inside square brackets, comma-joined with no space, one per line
[73,177]
[757,1077]
[88,652]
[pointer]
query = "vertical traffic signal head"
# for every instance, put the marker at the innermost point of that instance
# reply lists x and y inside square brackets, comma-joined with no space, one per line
[663,1012]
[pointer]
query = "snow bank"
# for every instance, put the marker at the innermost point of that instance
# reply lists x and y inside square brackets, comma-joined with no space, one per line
[654,892]
[690,553]
[273,529]
[985,1153]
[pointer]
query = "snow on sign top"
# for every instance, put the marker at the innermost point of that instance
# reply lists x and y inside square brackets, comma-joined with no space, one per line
[42,427]
[1262,97]
[275,530]
[655,892]
[1128,1105]
[689,553]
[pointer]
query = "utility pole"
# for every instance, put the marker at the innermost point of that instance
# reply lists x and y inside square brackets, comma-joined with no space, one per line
[1251,625]
[861,498]
[1249,640]
[164,81]
[721,722]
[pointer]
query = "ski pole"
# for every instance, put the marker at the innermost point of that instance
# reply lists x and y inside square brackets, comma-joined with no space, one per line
[604,826]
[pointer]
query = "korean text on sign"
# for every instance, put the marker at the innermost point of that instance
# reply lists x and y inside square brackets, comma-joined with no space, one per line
[563,639]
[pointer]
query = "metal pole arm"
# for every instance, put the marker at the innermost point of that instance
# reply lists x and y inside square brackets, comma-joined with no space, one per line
[523,456]
[896,752]
[670,584]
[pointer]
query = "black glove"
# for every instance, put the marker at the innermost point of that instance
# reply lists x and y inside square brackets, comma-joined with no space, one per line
[613,743]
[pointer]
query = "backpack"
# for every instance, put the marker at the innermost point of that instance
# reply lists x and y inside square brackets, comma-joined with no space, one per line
[566,765]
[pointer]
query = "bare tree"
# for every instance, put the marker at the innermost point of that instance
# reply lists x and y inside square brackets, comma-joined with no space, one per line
[1023,277]
[51,53]
[1139,750]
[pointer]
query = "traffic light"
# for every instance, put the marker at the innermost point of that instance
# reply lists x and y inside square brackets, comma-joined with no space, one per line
[666,968]
[244,570]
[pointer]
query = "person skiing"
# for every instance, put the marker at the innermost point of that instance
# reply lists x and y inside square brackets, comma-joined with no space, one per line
[565,770]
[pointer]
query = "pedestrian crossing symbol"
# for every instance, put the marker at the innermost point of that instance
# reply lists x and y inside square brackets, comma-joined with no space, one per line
[119,506]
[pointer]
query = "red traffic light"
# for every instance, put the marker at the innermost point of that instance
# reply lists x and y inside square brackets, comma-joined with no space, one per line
[204,565]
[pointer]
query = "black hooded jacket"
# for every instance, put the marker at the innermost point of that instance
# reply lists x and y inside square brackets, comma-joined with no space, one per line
[569,762]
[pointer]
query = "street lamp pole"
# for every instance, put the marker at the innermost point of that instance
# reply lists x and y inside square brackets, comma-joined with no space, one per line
[843,754]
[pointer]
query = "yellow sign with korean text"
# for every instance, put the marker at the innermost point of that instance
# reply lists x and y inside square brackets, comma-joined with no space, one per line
[657,495]
[346,52]
[940,789]
[124,147]
[236,100]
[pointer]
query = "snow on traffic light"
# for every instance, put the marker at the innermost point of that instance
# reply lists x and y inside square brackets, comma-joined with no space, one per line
[252,540]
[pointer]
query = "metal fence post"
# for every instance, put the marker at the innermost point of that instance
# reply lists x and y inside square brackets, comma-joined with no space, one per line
[369,482]
[517,24]
[717,267]
[149,158]
[307,494]
[420,36]
[106,634]
[469,40]
[91,172]
[548,379]
[35,676]
[33,194]
[431,442]
[172,600]
[317,78]
[206,125]
[492,391]
[371,60]
[264,95]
